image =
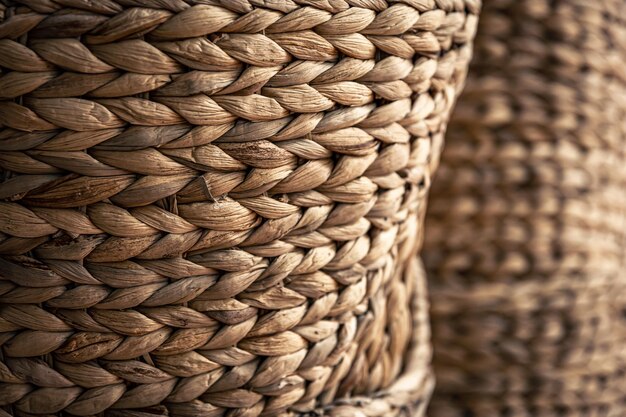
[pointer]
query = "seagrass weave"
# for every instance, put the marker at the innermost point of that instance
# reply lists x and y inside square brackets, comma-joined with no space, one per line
[526,231]
[212,208]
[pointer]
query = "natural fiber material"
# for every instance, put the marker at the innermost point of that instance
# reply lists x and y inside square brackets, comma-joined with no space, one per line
[526,236]
[212,208]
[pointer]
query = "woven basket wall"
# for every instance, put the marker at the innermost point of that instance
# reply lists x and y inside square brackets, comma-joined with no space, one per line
[526,235]
[212,208]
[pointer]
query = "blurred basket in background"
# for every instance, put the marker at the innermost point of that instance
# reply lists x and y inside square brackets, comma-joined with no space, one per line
[212,208]
[526,239]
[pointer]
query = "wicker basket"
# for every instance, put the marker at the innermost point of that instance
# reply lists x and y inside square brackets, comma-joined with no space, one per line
[526,236]
[212,207]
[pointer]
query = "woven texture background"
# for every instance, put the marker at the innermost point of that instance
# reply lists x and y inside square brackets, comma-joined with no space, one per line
[526,236]
[212,208]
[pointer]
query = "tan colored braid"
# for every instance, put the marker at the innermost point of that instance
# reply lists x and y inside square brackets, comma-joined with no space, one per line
[526,245]
[213,208]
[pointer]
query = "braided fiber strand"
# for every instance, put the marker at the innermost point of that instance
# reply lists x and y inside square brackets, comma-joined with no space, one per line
[212,208]
[526,239]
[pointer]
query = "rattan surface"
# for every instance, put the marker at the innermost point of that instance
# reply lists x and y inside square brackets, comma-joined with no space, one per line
[526,236]
[212,208]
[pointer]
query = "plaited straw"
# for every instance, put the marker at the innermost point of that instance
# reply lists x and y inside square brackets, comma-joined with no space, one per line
[526,236]
[212,208]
